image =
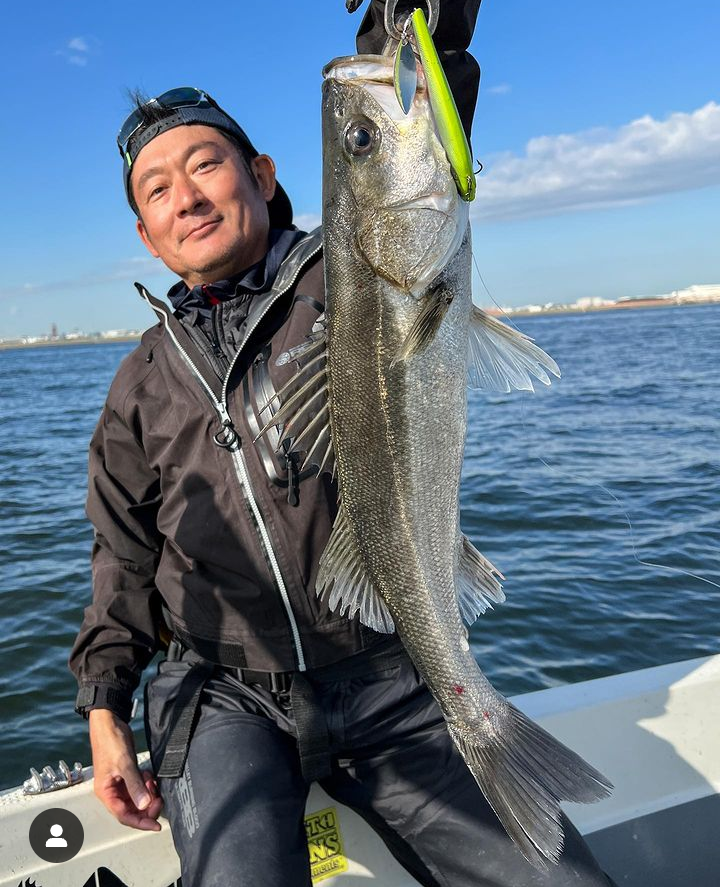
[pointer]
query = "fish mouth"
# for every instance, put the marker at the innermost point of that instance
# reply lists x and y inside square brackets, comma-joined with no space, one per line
[362,68]
[442,203]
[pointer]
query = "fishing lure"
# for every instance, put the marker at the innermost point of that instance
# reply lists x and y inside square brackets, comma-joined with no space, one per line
[450,128]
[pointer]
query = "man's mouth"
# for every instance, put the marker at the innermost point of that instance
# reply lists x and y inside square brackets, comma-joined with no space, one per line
[202,230]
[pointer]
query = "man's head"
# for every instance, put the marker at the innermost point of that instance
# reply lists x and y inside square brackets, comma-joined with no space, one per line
[204,198]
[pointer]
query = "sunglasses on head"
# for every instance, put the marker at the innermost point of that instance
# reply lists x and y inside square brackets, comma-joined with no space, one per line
[182,97]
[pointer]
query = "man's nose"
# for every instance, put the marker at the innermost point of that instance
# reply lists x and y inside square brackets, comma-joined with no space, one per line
[188,197]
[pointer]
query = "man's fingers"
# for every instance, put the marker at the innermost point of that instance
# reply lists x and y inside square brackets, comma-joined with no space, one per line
[153,811]
[140,793]
[120,803]
[134,818]
[129,794]
[156,804]
[150,782]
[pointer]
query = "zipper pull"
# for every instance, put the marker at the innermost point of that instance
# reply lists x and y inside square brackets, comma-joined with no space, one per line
[227,437]
[292,480]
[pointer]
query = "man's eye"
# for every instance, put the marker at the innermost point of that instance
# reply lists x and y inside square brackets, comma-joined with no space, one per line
[205,163]
[156,191]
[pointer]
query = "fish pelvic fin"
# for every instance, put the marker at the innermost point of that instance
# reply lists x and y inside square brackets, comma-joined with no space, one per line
[434,308]
[524,773]
[300,409]
[478,586]
[502,359]
[343,579]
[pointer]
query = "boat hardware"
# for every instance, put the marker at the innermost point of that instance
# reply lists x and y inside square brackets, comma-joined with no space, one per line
[52,780]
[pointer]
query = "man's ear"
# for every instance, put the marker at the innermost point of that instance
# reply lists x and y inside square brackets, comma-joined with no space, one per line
[143,235]
[264,171]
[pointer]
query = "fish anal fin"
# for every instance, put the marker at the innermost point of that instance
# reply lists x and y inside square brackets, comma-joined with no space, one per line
[502,359]
[477,582]
[342,577]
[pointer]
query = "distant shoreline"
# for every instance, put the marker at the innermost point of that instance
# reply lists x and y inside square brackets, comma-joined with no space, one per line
[594,309]
[495,312]
[81,340]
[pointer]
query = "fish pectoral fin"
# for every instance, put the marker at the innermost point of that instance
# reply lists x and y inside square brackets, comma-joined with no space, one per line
[502,359]
[478,587]
[524,773]
[343,579]
[427,323]
[300,410]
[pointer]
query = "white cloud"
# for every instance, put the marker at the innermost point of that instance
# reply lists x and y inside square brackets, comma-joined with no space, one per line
[499,89]
[78,50]
[133,268]
[307,221]
[603,167]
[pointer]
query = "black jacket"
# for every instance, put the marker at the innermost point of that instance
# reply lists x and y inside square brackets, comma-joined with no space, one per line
[197,528]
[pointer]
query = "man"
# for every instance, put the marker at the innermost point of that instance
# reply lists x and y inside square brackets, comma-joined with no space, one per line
[212,540]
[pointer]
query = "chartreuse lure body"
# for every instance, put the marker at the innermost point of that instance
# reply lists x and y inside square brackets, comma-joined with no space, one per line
[447,118]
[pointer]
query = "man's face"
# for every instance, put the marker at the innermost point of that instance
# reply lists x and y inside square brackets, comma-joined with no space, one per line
[200,211]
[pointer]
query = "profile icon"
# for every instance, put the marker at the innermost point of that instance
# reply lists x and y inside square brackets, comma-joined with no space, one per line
[56,835]
[56,831]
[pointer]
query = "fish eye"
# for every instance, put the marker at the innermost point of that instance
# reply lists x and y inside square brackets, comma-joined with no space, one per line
[361,138]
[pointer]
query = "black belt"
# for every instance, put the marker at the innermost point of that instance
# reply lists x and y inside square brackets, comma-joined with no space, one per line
[312,735]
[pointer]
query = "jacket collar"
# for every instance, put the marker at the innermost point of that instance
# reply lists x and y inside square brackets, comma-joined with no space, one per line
[306,248]
[258,278]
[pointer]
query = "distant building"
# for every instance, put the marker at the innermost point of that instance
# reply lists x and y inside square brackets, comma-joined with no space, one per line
[588,302]
[707,292]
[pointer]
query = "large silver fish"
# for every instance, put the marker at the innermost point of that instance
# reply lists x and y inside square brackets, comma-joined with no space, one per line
[380,401]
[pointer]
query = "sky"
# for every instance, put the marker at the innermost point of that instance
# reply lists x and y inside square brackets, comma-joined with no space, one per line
[598,127]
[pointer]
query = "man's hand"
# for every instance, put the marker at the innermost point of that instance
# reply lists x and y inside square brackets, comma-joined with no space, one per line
[129,794]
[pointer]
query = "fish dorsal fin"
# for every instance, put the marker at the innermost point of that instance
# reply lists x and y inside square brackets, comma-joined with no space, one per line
[342,578]
[304,417]
[478,587]
[502,359]
[426,324]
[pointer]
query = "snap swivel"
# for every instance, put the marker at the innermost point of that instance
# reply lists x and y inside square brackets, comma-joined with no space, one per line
[391,25]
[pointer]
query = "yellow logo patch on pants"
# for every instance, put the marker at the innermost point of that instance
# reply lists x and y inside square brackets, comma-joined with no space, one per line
[325,847]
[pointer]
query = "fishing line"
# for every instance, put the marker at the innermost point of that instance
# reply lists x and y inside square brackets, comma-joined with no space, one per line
[622,508]
[585,481]
[492,298]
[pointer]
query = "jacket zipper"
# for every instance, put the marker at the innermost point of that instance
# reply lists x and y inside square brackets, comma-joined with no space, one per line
[215,339]
[227,437]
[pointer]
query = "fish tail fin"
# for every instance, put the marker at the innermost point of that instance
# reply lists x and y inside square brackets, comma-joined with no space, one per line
[524,773]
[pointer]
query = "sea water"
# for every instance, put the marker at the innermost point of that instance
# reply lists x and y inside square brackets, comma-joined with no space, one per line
[568,491]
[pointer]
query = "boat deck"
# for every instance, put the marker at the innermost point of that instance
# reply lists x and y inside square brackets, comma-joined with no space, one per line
[655,733]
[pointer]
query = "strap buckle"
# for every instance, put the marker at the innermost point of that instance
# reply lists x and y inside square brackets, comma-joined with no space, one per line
[274,681]
[281,682]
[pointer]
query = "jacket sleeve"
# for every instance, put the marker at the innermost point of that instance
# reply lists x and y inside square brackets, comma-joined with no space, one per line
[452,38]
[119,633]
